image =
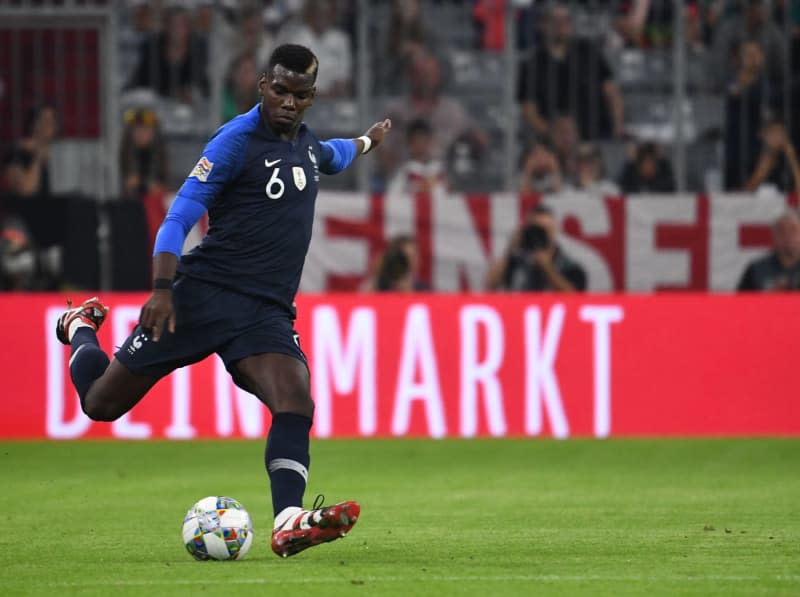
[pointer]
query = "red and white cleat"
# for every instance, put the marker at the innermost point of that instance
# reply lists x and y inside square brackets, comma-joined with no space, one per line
[308,528]
[92,313]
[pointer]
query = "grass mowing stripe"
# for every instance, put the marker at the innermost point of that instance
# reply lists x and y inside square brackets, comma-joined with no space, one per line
[402,579]
[474,518]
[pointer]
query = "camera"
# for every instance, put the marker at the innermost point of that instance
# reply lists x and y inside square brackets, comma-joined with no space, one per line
[534,238]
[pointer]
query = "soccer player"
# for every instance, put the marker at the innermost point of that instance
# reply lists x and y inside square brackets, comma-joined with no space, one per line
[234,294]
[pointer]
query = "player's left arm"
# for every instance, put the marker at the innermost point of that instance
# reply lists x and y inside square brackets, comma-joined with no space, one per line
[338,154]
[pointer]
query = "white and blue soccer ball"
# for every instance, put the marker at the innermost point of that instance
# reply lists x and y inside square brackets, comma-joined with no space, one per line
[217,528]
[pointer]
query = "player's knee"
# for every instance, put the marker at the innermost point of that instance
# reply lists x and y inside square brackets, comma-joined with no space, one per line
[99,410]
[298,402]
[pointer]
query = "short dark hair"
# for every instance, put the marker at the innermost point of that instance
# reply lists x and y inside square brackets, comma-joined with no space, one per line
[296,58]
[646,151]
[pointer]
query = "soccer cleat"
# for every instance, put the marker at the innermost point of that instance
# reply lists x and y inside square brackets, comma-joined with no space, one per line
[312,527]
[92,312]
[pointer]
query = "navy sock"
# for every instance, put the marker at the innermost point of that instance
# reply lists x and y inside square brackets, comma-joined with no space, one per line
[88,361]
[287,459]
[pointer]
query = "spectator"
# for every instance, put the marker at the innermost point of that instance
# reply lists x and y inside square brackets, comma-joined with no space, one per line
[143,157]
[533,260]
[174,62]
[329,43]
[571,75]
[648,172]
[240,91]
[778,166]
[406,39]
[144,166]
[141,18]
[421,173]
[251,38]
[397,269]
[490,18]
[780,269]
[698,33]
[629,25]
[448,119]
[565,140]
[541,172]
[591,176]
[744,105]
[203,18]
[754,24]
[27,168]
[17,255]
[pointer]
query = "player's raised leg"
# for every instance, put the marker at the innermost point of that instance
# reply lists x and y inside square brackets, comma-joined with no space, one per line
[282,383]
[106,390]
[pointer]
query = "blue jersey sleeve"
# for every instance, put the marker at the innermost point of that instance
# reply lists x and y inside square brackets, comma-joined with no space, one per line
[337,154]
[182,215]
[220,163]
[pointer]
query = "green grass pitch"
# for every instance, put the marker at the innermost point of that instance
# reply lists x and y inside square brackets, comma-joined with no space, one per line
[481,517]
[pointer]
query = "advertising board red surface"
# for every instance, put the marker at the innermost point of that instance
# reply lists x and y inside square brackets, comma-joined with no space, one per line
[453,366]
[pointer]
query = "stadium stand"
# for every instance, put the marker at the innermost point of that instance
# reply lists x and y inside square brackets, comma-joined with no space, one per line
[82,58]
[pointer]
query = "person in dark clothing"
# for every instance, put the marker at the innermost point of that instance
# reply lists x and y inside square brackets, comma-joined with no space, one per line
[780,269]
[26,166]
[569,75]
[648,172]
[747,100]
[173,62]
[778,166]
[534,261]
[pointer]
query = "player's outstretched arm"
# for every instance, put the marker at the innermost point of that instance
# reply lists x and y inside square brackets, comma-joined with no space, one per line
[338,154]
[373,136]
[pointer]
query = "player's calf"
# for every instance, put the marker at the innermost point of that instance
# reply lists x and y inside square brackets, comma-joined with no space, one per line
[77,327]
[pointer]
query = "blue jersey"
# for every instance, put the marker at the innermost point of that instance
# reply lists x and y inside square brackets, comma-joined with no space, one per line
[260,192]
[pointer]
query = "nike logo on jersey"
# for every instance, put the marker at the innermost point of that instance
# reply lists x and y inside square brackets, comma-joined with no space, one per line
[269,164]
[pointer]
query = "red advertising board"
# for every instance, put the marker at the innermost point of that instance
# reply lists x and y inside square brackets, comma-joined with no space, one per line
[453,366]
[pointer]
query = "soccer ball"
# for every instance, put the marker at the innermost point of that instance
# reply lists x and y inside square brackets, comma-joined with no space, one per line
[217,528]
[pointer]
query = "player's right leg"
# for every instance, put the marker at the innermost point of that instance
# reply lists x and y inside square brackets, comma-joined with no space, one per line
[106,390]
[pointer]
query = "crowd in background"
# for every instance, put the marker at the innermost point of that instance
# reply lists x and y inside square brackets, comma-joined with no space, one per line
[570,98]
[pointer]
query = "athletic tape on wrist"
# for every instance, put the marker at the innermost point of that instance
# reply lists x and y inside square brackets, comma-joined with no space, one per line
[367,143]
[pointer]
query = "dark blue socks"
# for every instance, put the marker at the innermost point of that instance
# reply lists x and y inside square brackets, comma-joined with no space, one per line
[88,361]
[287,459]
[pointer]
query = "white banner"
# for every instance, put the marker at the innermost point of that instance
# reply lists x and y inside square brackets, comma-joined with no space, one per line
[639,243]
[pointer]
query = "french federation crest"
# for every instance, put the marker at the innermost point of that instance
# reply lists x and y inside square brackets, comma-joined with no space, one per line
[299,177]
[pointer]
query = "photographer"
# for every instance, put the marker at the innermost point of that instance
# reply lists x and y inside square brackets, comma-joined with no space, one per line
[534,261]
[397,268]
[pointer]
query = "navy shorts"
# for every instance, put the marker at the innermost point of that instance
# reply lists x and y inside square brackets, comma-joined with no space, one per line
[209,319]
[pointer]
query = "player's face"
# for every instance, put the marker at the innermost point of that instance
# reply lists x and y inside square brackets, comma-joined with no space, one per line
[287,94]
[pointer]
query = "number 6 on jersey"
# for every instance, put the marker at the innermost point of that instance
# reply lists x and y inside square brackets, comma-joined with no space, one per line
[275,186]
